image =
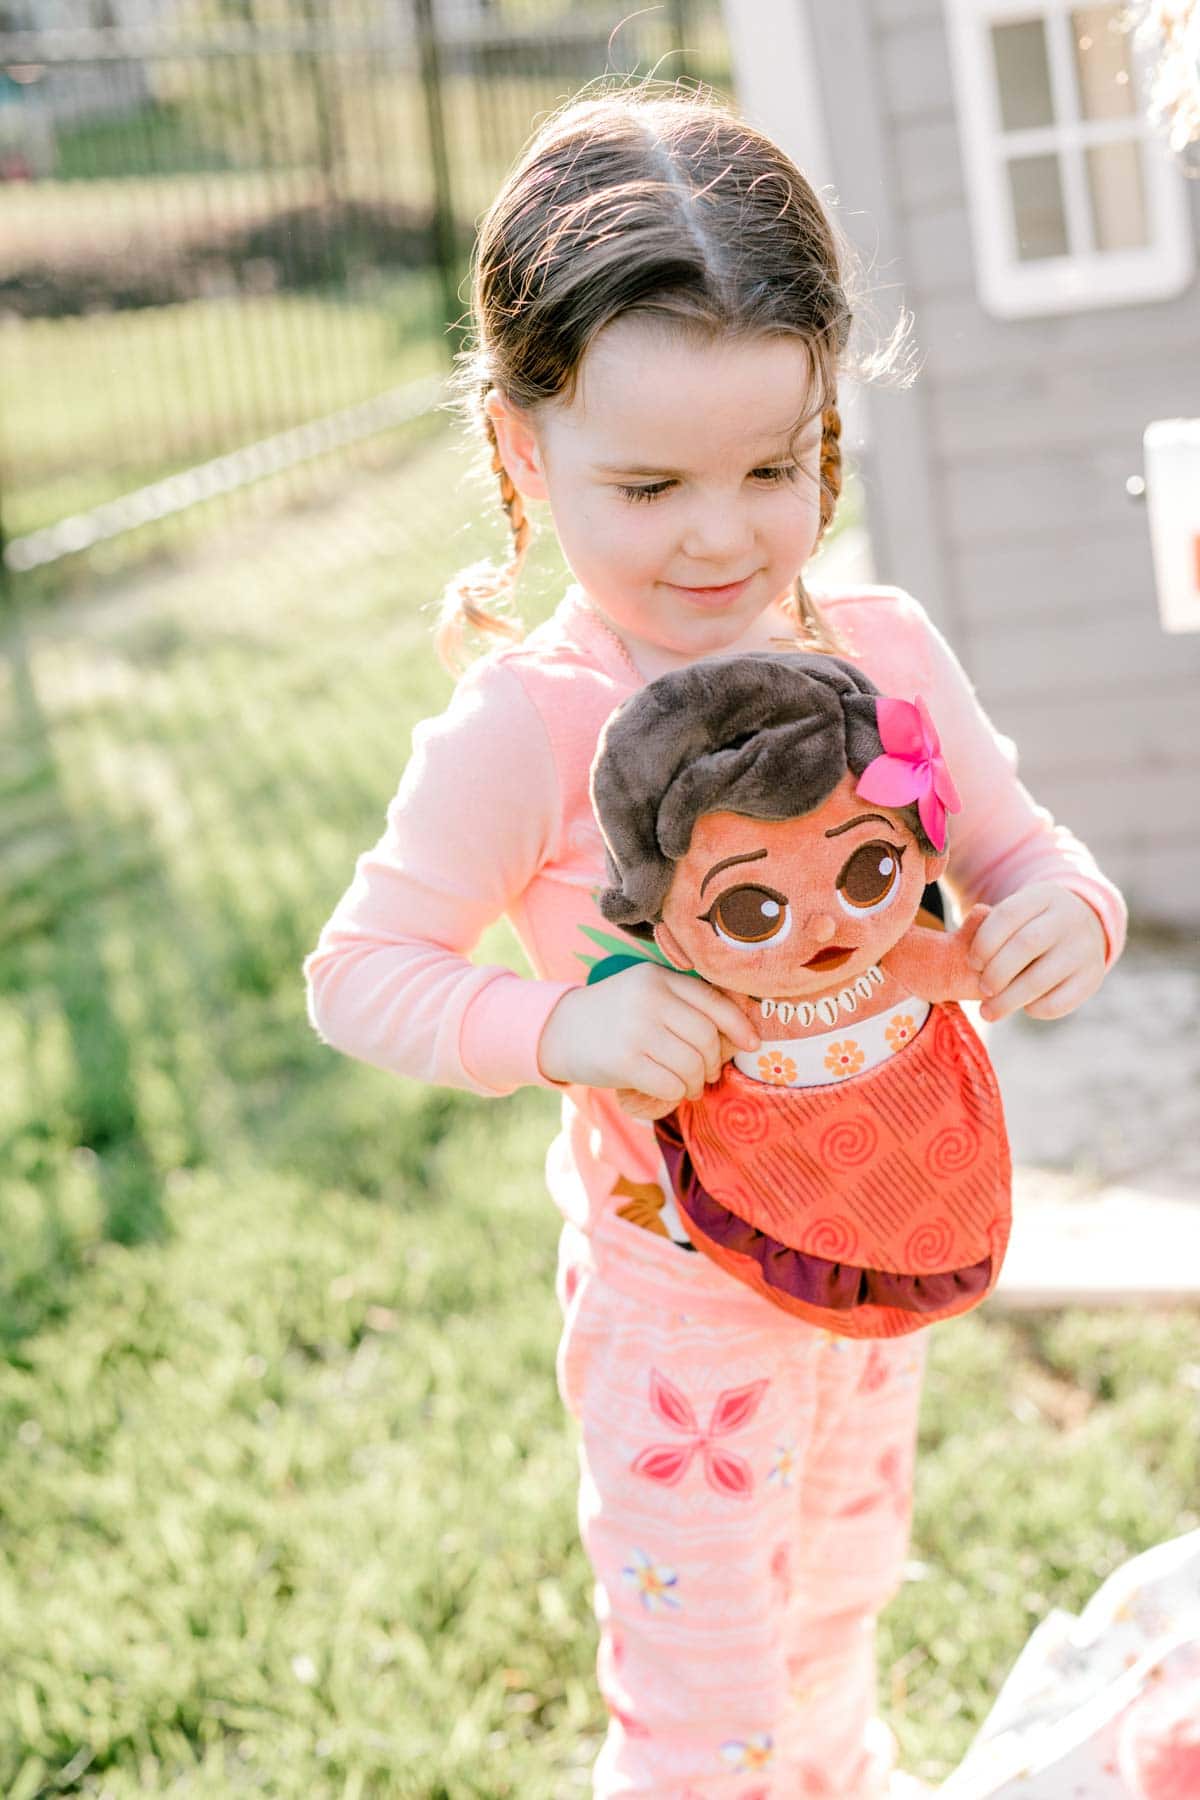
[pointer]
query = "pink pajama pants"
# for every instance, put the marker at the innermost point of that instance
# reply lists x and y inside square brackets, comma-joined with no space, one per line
[744,1502]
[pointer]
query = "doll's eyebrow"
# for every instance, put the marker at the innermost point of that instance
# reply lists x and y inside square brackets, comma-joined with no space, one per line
[748,856]
[862,819]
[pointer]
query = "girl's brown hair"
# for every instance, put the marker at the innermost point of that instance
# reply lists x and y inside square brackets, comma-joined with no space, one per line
[658,202]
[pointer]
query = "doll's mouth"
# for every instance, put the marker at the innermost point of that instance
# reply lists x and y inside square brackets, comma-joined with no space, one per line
[832,957]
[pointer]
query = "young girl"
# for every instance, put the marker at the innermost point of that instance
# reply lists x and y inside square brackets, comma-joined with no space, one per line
[661,317]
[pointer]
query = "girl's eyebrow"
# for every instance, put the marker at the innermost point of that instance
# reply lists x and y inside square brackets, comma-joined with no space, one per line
[782,446]
[747,856]
[862,819]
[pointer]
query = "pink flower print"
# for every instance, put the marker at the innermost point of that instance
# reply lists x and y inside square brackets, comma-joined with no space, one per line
[781,1569]
[894,1472]
[783,1468]
[816,1783]
[630,1726]
[900,1030]
[669,1463]
[652,1582]
[875,1375]
[857,1508]
[754,1752]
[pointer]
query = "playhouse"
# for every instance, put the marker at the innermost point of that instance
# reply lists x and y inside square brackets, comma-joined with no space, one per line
[996,167]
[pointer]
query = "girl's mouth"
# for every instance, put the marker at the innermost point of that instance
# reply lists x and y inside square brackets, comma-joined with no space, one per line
[716,596]
[832,957]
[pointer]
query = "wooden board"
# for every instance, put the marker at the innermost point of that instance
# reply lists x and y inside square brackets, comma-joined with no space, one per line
[1122,1248]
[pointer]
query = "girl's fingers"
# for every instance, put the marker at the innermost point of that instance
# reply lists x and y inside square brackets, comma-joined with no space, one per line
[1040,978]
[1020,952]
[686,1059]
[641,1106]
[658,1081]
[1060,1000]
[1004,922]
[697,1030]
[719,1009]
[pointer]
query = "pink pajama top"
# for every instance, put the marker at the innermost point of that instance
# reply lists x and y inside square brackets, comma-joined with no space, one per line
[492,817]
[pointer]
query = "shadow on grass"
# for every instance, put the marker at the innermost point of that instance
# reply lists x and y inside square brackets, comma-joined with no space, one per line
[97,1107]
[193,769]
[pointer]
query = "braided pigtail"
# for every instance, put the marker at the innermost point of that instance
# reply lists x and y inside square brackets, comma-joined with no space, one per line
[474,590]
[813,630]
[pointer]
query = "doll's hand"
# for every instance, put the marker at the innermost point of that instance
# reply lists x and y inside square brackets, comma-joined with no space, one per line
[938,965]
[649,1029]
[1043,948]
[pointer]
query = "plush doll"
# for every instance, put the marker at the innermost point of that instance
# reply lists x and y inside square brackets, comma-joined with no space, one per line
[772,821]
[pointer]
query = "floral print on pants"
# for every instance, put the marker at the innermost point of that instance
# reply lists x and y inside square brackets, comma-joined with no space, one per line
[744,1502]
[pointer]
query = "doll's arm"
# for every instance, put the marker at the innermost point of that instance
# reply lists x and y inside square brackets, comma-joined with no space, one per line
[932,965]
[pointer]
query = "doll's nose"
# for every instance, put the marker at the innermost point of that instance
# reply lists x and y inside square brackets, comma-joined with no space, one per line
[820,926]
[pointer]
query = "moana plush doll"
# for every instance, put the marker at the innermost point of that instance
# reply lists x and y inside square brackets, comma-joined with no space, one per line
[772,821]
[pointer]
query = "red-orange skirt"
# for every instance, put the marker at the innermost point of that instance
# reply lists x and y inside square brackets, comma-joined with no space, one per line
[873,1206]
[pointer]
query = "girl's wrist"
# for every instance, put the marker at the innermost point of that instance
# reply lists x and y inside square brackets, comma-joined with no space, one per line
[554,1043]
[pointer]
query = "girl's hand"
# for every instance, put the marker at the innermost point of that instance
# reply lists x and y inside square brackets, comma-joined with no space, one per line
[651,1030]
[1042,949]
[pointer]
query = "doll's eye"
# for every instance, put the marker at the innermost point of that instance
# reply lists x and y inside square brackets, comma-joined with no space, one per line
[869,880]
[749,915]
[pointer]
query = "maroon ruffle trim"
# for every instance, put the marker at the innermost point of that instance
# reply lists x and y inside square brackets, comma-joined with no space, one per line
[838,1286]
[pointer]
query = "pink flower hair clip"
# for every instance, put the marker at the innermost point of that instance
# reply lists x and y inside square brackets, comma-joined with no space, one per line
[911,767]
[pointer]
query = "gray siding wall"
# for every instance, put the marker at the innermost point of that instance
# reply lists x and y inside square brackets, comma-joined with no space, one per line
[1026,432]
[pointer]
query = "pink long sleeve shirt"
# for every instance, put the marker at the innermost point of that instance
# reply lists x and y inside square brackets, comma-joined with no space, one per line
[493,816]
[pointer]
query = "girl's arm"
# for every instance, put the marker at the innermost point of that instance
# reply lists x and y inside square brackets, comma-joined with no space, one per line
[476,815]
[1057,922]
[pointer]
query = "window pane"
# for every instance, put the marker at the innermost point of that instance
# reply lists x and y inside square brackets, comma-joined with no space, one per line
[1039,217]
[1118,196]
[1102,63]
[1023,74]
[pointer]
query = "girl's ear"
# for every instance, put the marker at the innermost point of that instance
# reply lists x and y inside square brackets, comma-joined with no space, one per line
[518,445]
[669,944]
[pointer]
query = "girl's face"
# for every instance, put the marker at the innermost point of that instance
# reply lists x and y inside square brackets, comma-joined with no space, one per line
[683,500]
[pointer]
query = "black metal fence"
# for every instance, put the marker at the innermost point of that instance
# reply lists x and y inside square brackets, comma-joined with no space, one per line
[233,244]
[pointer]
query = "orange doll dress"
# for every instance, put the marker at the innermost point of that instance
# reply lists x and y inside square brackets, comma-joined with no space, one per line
[871,1206]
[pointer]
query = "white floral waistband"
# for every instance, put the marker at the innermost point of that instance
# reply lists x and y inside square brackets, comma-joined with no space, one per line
[848,1049]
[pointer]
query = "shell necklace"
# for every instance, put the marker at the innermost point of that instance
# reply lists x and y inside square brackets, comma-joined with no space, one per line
[827,1008]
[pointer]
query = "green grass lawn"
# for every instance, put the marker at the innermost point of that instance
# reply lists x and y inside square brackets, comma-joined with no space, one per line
[287,1498]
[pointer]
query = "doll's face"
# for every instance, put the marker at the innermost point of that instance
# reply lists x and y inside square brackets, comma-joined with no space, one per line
[794,906]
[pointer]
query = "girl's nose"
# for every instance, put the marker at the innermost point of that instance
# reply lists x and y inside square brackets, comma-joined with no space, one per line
[716,534]
[820,926]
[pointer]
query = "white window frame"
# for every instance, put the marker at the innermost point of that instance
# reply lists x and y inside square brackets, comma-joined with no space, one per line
[1086,277]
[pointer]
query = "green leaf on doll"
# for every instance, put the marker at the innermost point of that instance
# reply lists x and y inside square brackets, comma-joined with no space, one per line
[623,953]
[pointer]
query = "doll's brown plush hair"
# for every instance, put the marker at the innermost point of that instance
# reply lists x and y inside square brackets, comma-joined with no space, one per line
[653,200]
[765,734]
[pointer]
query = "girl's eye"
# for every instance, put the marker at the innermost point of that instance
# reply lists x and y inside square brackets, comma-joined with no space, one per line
[650,492]
[773,475]
[869,880]
[749,915]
